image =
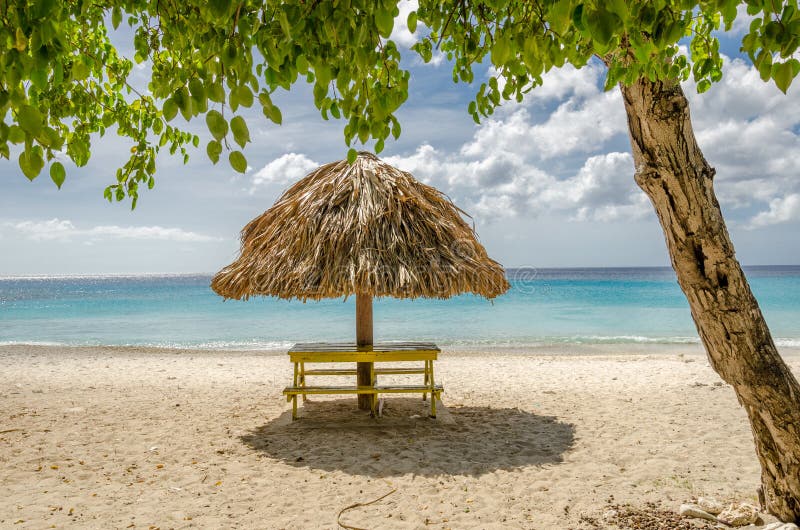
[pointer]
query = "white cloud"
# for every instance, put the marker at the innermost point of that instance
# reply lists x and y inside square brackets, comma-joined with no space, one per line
[741,24]
[503,185]
[604,190]
[559,83]
[741,95]
[65,230]
[403,38]
[748,131]
[523,160]
[400,33]
[518,162]
[44,230]
[581,126]
[584,119]
[284,169]
[558,152]
[781,210]
[149,232]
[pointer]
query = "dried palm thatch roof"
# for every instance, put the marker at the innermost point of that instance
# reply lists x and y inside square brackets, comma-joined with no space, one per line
[366,228]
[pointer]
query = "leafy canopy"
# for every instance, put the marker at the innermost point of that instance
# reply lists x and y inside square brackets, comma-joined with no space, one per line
[62,81]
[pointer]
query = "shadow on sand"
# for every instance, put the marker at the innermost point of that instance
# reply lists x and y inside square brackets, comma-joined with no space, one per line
[332,435]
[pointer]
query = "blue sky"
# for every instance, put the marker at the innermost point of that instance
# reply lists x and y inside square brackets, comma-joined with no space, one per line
[548,182]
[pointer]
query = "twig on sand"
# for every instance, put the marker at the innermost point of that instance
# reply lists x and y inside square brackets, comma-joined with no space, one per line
[356,505]
[9,430]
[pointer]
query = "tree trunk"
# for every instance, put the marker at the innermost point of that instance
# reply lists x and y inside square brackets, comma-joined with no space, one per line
[673,172]
[364,338]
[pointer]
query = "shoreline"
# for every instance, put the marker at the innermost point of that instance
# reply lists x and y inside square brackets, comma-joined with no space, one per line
[559,350]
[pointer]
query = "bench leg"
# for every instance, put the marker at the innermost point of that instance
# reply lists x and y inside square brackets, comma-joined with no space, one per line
[433,392]
[303,379]
[425,395]
[294,397]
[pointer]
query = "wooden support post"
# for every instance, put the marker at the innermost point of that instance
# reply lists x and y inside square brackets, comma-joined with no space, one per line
[364,338]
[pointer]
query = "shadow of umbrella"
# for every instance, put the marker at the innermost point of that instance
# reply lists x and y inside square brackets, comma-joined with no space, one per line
[479,440]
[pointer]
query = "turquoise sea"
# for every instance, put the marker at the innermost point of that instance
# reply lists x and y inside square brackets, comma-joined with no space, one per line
[544,307]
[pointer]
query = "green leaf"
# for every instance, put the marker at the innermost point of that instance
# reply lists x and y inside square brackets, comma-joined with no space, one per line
[601,25]
[217,93]
[21,40]
[283,20]
[274,114]
[31,162]
[352,154]
[411,22]
[16,135]
[79,70]
[219,8]
[39,78]
[170,109]
[213,150]
[238,161]
[184,102]
[197,90]
[116,18]
[244,96]
[764,64]
[577,17]
[619,7]
[58,173]
[301,63]
[240,132]
[216,124]
[30,119]
[501,51]
[783,74]
[385,22]
[363,131]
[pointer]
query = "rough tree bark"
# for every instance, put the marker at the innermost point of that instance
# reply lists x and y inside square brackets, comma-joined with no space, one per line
[672,171]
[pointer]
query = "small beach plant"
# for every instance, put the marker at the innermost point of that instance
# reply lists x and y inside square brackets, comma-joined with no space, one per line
[63,81]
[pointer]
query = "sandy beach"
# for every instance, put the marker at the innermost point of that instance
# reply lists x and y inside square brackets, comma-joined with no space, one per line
[147,438]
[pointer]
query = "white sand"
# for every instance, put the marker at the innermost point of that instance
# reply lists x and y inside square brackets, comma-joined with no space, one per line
[116,438]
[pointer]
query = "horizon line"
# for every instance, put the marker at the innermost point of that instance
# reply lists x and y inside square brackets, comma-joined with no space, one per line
[189,274]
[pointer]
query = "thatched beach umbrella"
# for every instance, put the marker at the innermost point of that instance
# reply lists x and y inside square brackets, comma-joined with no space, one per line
[365,229]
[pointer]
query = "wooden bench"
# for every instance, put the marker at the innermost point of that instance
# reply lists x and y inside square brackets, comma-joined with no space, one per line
[320,352]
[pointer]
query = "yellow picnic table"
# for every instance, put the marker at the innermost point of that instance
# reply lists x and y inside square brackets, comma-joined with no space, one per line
[325,352]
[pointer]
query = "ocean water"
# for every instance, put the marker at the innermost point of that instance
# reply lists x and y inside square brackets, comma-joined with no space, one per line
[543,307]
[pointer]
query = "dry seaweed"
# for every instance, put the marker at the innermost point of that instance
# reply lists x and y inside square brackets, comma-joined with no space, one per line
[653,517]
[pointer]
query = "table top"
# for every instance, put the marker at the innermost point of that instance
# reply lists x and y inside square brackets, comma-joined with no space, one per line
[352,347]
[350,352]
